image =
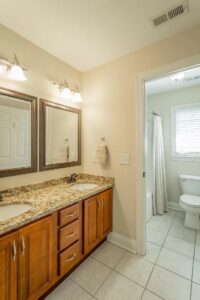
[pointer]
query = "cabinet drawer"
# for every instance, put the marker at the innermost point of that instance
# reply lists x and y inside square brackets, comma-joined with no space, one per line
[68,235]
[68,215]
[69,258]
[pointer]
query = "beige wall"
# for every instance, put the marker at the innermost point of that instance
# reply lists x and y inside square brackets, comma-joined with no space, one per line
[110,110]
[162,104]
[43,68]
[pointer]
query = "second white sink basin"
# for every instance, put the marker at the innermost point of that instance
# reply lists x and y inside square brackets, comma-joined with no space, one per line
[83,186]
[13,210]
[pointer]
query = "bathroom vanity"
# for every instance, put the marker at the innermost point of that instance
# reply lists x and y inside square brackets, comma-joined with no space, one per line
[65,223]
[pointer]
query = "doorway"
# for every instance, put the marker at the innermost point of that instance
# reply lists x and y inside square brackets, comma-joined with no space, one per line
[151,80]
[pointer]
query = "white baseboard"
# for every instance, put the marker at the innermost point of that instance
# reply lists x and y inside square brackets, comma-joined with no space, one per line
[174,205]
[123,241]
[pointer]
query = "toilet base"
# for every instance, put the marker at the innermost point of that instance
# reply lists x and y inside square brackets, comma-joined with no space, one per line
[192,221]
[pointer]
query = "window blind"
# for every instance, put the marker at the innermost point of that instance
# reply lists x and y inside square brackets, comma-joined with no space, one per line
[187,130]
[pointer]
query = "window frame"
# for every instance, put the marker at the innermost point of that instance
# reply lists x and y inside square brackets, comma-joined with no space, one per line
[175,155]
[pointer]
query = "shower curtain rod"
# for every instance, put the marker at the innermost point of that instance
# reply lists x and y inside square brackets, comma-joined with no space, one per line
[154,113]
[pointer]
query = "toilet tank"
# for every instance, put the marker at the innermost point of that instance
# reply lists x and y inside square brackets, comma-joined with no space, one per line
[190,184]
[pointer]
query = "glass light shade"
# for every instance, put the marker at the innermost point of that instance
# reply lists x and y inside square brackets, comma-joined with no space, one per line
[17,73]
[66,93]
[2,69]
[77,97]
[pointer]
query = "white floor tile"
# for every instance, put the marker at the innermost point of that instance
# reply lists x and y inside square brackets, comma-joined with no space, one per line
[175,262]
[158,226]
[150,296]
[198,238]
[90,275]
[172,212]
[68,290]
[117,287]
[155,237]
[195,292]
[197,252]
[183,233]
[109,254]
[196,271]
[169,285]
[179,219]
[152,252]
[178,245]
[135,268]
[166,218]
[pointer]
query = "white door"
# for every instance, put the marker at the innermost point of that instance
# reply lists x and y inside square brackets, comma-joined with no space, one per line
[15,137]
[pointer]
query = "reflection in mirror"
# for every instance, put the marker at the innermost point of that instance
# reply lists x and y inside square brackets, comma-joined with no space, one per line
[59,135]
[17,135]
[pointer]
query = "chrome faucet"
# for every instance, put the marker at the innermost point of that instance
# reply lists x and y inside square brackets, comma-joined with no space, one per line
[72,178]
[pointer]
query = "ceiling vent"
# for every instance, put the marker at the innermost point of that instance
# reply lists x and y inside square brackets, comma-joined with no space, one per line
[177,10]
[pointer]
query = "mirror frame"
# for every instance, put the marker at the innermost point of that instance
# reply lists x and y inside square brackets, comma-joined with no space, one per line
[42,165]
[33,101]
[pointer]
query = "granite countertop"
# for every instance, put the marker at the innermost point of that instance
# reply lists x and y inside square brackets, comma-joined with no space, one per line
[48,197]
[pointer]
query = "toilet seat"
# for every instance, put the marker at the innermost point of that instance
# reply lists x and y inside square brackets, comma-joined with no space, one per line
[190,200]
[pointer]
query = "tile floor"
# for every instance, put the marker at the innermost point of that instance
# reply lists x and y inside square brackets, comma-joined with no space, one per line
[170,269]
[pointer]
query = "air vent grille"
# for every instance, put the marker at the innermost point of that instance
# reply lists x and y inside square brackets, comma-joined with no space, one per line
[179,9]
[176,11]
[160,20]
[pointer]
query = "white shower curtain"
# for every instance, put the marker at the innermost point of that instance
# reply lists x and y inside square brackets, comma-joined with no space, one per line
[160,200]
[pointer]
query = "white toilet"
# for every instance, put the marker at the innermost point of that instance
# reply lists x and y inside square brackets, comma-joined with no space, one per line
[190,200]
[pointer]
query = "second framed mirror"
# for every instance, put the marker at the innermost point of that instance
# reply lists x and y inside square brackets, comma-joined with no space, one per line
[60,136]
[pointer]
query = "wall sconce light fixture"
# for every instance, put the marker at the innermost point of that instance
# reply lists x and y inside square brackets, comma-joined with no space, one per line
[77,96]
[14,69]
[68,93]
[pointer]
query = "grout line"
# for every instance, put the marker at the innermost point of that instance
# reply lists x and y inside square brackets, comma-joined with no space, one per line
[179,252]
[193,264]
[89,293]
[161,247]
[154,294]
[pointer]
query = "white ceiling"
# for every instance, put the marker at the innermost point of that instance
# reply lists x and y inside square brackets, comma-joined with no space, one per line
[191,77]
[88,33]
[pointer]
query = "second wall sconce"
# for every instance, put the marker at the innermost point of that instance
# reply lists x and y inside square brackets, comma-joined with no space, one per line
[14,69]
[69,93]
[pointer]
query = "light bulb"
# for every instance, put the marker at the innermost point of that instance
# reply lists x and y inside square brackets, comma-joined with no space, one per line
[17,73]
[2,69]
[77,97]
[65,93]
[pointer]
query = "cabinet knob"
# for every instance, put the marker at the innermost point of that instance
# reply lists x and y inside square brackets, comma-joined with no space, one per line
[70,234]
[14,253]
[23,246]
[71,258]
[69,215]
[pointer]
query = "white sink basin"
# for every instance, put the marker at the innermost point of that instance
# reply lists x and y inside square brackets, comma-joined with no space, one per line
[13,210]
[83,186]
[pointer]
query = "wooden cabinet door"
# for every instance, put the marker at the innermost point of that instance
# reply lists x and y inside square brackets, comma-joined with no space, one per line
[106,213]
[8,267]
[35,259]
[91,223]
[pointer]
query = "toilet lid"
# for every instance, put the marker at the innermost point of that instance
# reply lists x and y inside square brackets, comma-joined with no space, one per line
[190,200]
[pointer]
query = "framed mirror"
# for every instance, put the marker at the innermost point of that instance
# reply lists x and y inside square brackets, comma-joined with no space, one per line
[18,133]
[60,136]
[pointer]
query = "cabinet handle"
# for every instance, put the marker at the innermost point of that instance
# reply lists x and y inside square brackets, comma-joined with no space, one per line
[69,215]
[14,251]
[101,202]
[70,234]
[22,246]
[71,258]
